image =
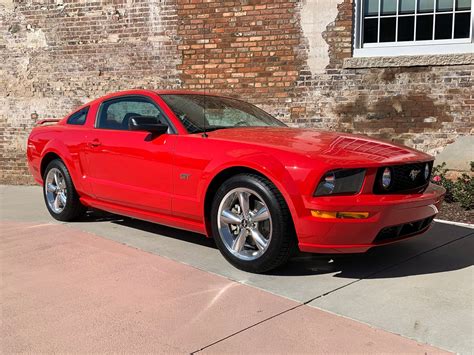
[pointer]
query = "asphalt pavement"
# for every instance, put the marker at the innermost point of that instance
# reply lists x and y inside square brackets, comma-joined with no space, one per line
[109,283]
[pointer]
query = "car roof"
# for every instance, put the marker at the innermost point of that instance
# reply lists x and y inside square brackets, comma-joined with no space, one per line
[158,92]
[184,92]
[140,92]
[147,91]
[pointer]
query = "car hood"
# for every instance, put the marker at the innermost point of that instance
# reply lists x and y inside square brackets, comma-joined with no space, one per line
[323,144]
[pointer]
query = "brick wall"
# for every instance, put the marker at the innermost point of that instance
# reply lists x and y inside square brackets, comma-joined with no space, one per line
[57,54]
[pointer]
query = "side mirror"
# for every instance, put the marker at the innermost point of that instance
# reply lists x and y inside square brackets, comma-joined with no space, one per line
[147,124]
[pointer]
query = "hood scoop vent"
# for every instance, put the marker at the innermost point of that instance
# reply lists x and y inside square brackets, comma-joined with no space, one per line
[375,151]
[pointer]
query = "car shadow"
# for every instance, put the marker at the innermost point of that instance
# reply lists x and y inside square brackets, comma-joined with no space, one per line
[443,248]
[92,215]
[149,227]
[434,252]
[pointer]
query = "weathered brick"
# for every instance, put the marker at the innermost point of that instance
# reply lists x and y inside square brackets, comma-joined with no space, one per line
[54,59]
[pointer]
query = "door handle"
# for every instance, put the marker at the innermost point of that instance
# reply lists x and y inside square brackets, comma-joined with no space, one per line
[94,143]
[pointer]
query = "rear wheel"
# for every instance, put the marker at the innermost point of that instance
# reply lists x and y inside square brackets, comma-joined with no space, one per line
[59,193]
[251,223]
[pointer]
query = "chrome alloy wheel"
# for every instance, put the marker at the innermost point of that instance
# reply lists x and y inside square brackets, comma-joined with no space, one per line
[56,190]
[244,223]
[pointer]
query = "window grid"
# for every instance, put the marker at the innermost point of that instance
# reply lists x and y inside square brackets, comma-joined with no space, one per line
[396,20]
[416,16]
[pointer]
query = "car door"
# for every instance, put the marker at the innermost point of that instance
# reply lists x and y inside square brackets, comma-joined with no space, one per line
[130,168]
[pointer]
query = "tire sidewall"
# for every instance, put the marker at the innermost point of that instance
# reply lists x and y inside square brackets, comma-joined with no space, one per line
[278,223]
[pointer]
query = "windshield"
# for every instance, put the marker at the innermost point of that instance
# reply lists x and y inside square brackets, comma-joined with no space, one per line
[202,112]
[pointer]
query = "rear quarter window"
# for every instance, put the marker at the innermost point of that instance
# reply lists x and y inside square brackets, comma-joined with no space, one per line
[79,117]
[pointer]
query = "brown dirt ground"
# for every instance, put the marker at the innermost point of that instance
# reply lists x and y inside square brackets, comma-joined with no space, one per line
[454,212]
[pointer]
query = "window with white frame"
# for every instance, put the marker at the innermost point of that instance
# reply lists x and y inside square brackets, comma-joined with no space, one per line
[404,27]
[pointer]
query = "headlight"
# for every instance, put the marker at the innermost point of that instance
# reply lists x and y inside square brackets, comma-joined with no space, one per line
[341,182]
[387,178]
[427,171]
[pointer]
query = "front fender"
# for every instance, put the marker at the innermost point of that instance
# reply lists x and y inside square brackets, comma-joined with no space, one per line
[265,164]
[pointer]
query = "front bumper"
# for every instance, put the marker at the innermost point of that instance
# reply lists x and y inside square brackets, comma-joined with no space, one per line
[392,218]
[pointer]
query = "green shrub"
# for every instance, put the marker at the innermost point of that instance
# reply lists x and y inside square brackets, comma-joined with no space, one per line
[460,190]
[464,191]
[438,176]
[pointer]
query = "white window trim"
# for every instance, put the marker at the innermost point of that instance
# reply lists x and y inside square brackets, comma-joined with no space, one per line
[391,49]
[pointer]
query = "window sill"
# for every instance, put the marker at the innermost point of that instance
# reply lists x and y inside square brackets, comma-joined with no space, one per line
[408,61]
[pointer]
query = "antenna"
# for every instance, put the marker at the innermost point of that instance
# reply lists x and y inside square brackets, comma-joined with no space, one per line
[204,134]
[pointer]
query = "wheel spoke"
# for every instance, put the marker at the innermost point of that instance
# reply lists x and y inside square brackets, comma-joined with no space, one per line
[229,217]
[51,188]
[259,239]
[56,180]
[62,198]
[239,241]
[244,202]
[261,215]
[62,183]
[56,202]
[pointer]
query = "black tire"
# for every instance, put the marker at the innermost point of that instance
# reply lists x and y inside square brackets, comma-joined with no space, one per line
[73,207]
[283,238]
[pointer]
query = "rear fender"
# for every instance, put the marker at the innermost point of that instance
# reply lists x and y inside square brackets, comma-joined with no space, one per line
[59,148]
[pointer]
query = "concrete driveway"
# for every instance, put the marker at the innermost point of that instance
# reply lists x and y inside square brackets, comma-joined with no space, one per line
[421,289]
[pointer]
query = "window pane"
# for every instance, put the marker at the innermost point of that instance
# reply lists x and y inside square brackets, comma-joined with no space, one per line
[462,25]
[115,114]
[389,7]
[371,7]
[406,28]
[463,4]
[444,26]
[370,30]
[444,5]
[387,29]
[424,27]
[425,6]
[407,6]
[78,118]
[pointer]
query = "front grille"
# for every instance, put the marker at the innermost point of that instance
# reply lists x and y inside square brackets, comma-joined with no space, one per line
[403,230]
[402,182]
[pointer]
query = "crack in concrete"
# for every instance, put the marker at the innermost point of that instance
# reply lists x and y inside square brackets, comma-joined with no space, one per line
[332,291]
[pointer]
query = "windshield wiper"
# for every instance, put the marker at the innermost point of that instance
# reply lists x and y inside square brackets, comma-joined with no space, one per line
[210,129]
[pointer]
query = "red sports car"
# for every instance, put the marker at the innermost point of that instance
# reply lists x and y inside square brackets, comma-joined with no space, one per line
[225,168]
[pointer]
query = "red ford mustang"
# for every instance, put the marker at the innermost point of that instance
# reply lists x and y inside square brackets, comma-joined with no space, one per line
[225,168]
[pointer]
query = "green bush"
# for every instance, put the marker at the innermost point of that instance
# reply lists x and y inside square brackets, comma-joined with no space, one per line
[460,190]
[464,192]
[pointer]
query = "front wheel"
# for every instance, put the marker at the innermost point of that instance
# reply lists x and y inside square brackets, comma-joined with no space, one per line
[251,223]
[59,193]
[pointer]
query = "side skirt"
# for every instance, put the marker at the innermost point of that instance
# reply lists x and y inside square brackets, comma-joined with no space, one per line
[170,221]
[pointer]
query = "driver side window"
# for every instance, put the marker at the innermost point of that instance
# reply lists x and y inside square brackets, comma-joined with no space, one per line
[116,113]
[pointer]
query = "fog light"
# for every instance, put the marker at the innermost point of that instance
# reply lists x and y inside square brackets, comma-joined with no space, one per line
[386,178]
[334,214]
